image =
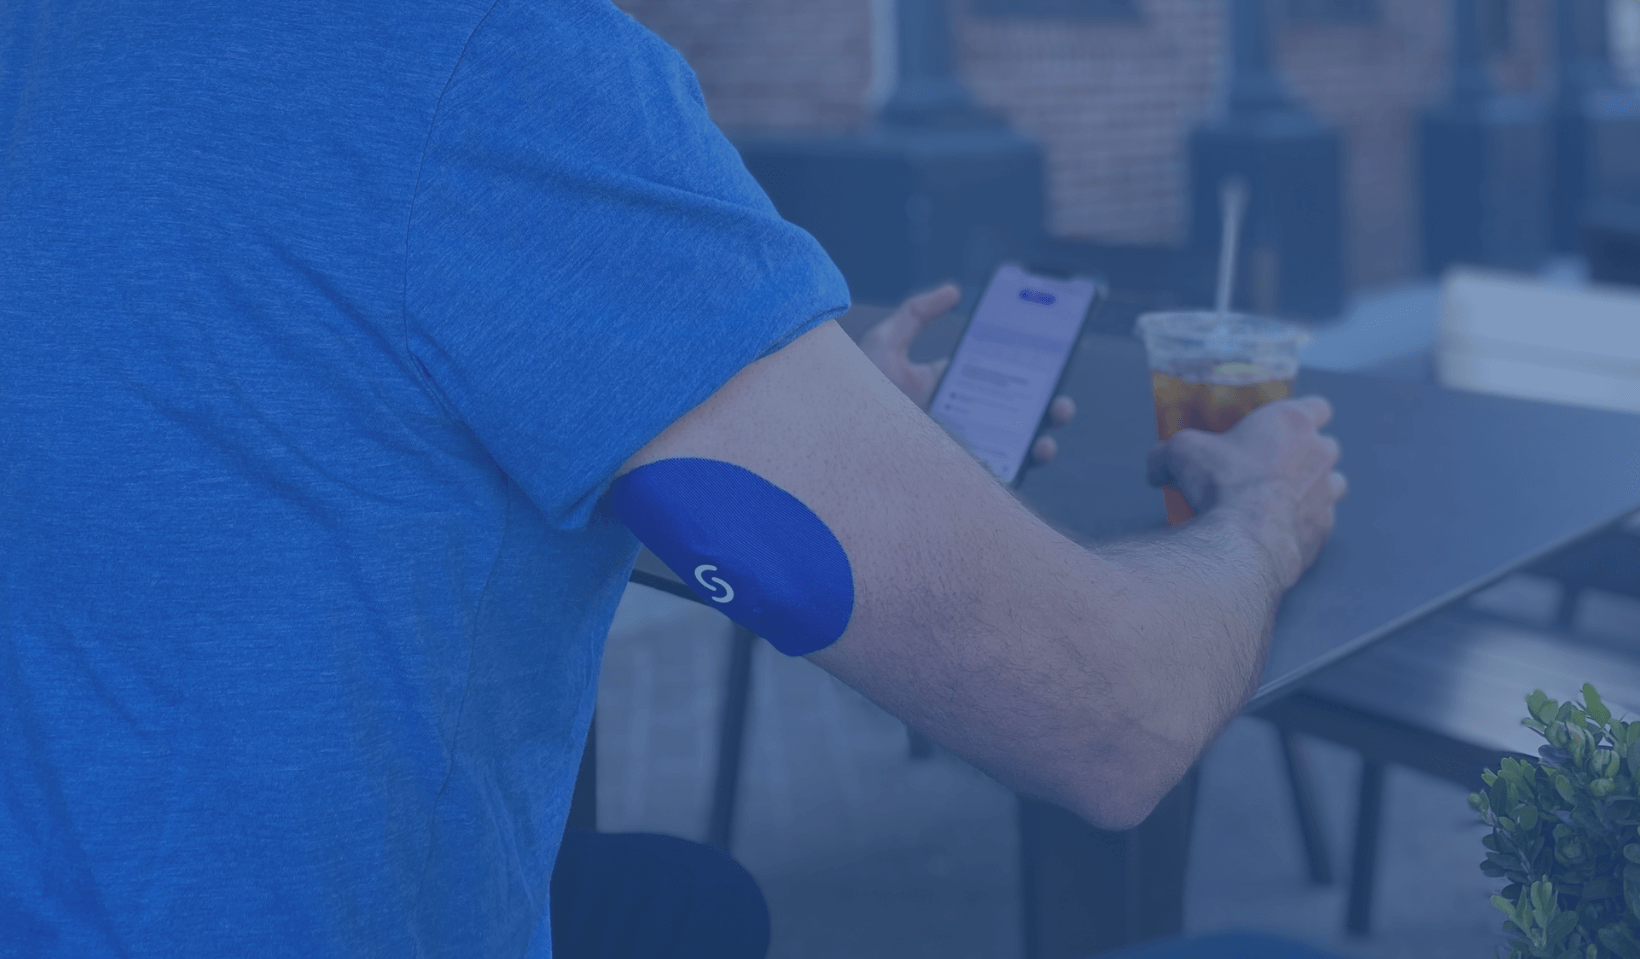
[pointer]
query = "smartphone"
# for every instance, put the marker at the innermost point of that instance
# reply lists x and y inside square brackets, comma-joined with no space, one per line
[1009,363]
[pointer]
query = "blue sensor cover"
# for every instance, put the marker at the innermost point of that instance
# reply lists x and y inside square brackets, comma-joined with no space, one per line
[743,545]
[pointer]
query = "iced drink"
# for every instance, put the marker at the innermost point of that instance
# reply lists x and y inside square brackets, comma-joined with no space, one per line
[1208,370]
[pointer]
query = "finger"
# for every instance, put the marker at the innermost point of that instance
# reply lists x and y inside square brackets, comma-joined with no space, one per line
[1062,411]
[1044,450]
[916,313]
[1334,451]
[936,302]
[1340,485]
[1316,408]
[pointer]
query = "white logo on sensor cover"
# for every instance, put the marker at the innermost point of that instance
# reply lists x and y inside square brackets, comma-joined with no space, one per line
[715,585]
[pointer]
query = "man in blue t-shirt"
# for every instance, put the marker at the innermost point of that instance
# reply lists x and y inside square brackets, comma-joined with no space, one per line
[324,330]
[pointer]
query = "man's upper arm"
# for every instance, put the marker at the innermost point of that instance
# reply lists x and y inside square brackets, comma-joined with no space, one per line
[819,422]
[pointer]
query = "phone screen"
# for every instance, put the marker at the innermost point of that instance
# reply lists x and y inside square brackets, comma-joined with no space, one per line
[1005,370]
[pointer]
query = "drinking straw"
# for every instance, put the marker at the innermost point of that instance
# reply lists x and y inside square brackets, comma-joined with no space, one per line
[1232,207]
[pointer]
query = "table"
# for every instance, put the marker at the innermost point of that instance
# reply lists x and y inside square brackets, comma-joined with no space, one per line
[1412,539]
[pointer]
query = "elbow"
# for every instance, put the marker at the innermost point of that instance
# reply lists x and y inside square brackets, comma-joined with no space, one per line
[1120,796]
[1114,813]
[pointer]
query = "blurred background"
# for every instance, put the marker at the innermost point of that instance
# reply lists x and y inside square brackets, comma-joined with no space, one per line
[965,130]
[1443,190]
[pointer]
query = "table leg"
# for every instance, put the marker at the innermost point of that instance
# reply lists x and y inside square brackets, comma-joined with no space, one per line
[737,694]
[1087,891]
[1305,806]
[1368,820]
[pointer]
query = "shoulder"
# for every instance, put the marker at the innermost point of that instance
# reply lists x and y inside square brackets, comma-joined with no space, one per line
[582,89]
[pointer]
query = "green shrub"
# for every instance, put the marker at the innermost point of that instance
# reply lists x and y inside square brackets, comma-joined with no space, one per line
[1566,834]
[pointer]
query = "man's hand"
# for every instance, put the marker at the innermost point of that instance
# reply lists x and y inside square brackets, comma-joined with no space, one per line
[1273,472]
[888,345]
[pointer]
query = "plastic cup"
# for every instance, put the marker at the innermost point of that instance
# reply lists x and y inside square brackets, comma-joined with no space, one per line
[1208,370]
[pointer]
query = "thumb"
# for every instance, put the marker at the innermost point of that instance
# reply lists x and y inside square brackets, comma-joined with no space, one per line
[915,315]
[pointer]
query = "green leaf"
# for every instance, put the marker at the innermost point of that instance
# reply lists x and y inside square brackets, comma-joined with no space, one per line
[1577,741]
[1504,906]
[1541,706]
[1594,706]
[1601,887]
[1543,898]
[1631,887]
[1528,817]
[1631,852]
[1559,928]
[1619,940]
[1601,788]
[1562,786]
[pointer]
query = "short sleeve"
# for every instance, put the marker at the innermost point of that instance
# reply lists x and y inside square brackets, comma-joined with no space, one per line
[588,258]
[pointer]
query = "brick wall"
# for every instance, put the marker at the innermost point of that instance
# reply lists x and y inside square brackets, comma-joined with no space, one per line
[1111,101]
[1370,80]
[772,64]
[1528,66]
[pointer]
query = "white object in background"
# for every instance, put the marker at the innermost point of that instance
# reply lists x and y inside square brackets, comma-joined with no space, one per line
[885,53]
[1514,335]
[1232,207]
[1625,34]
[1388,325]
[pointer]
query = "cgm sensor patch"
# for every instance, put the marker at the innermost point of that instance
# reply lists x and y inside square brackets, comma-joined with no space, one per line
[745,546]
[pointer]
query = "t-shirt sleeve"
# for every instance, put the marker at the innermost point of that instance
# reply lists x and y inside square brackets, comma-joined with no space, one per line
[588,258]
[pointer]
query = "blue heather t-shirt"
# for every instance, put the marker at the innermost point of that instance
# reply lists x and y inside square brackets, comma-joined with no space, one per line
[323,327]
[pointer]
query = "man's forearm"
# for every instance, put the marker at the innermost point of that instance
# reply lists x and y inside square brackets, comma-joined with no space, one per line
[1089,677]
[1199,602]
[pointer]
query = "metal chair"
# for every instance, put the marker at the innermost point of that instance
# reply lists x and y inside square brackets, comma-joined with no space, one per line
[1445,698]
[651,572]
